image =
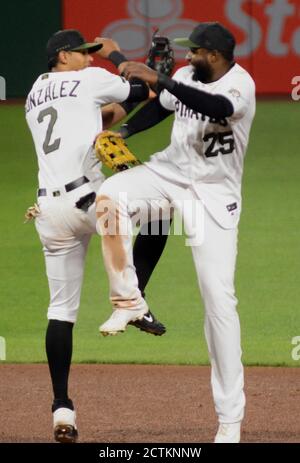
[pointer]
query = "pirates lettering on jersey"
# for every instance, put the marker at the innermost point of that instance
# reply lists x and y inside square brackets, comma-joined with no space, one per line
[53,91]
[186,112]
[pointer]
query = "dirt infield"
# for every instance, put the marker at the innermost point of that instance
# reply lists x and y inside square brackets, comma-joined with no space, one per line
[143,403]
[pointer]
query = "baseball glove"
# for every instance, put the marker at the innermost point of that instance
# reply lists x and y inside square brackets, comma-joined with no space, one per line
[112,151]
[161,55]
[31,213]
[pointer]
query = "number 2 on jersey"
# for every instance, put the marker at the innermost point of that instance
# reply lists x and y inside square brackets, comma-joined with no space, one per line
[47,147]
[225,139]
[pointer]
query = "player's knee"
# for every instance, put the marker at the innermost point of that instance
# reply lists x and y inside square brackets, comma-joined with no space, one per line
[107,215]
[218,296]
[109,189]
[110,206]
[63,314]
[106,199]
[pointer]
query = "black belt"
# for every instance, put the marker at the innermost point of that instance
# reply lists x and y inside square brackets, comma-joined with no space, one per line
[68,187]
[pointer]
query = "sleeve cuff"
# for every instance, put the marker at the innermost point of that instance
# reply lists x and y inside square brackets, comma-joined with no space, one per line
[117,58]
[165,82]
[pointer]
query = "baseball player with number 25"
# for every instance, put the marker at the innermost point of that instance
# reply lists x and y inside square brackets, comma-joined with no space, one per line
[213,99]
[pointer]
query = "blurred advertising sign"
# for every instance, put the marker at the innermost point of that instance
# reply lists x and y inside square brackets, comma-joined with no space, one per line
[267,31]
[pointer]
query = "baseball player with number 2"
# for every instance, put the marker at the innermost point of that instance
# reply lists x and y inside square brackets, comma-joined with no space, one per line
[65,110]
[213,99]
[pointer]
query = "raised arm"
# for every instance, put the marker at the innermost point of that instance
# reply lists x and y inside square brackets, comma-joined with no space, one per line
[115,112]
[216,106]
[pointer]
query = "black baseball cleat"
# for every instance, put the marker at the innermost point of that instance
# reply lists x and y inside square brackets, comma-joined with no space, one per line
[149,324]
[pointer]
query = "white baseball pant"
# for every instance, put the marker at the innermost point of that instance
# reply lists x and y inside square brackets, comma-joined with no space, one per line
[214,260]
[65,232]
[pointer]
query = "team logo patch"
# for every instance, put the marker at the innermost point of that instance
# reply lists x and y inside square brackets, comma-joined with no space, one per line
[235,93]
[231,207]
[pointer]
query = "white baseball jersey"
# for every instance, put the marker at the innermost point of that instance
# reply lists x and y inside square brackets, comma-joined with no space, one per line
[63,114]
[208,154]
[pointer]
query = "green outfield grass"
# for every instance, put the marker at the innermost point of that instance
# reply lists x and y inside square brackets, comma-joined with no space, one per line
[267,279]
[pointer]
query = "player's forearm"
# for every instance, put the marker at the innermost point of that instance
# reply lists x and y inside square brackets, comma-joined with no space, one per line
[139,90]
[149,115]
[112,114]
[216,106]
[118,59]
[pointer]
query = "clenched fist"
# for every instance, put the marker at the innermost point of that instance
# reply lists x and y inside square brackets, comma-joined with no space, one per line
[109,46]
[132,69]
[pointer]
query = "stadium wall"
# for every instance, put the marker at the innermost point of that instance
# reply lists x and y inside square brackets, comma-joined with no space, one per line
[267,33]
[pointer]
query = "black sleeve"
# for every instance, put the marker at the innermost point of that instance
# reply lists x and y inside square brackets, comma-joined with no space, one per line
[129,106]
[149,115]
[139,90]
[117,58]
[216,106]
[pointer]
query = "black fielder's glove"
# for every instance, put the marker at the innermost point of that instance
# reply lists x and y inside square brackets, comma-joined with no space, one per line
[161,59]
[161,55]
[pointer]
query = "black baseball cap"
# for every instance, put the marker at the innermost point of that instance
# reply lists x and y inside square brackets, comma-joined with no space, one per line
[209,35]
[69,40]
